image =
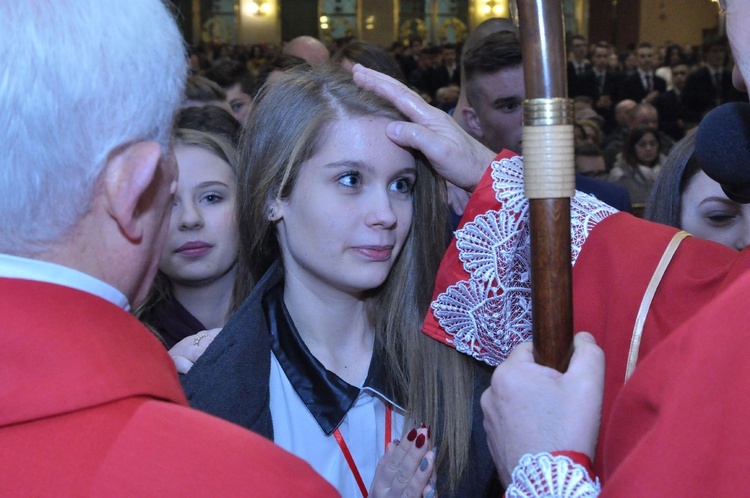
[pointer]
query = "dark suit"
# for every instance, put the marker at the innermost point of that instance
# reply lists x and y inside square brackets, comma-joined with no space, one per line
[633,87]
[608,85]
[672,114]
[438,77]
[701,94]
[576,81]
[614,195]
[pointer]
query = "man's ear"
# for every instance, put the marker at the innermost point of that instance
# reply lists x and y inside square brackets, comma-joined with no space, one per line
[471,118]
[128,175]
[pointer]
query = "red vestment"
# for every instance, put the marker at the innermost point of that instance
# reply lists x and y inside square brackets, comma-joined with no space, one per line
[686,406]
[90,405]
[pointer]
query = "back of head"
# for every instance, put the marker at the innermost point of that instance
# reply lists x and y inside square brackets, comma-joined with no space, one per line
[278,64]
[202,89]
[588,150]
[370,56]
[308,48]
[79,79]
[622,109]
[228,73]
[642,114]
[210,119]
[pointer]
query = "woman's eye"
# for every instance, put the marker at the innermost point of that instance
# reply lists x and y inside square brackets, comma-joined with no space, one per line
[211,198]
[720,219]
[402,185]
[350,180]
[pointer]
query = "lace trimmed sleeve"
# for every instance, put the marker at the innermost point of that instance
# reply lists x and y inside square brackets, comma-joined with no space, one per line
[545,475]
[489,313]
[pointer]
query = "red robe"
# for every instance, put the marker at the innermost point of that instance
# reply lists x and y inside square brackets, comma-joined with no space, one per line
[686,406]
[90,405]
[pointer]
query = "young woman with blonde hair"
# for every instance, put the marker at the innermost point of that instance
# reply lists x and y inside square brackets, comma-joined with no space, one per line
[341,235]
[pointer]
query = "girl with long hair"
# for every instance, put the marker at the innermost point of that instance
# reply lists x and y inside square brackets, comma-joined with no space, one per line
[341,235]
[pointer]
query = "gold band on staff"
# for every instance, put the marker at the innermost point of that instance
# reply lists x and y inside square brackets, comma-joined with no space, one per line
[549,148]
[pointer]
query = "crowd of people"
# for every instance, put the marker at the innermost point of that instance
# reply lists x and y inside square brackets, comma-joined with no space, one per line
[631,106]
[261,235]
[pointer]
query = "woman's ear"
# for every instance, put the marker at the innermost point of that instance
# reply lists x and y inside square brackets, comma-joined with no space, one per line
[274,209]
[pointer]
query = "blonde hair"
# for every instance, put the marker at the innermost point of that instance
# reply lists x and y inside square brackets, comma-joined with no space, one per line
[161,289]
[279,138]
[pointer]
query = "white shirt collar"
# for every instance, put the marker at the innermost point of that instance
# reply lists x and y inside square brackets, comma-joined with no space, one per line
[43,271]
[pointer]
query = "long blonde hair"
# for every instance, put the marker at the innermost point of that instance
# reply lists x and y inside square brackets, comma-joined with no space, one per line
[287,126]
[161,289]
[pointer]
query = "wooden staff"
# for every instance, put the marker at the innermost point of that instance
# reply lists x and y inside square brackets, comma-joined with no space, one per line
[549,178]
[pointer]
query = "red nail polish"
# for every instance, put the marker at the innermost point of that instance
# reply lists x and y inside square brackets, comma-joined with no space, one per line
[420,441]
[412,435]
[422,426]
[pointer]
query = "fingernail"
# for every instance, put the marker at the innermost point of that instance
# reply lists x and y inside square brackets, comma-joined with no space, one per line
[423,465]
[394,128]
[430,494]
[412,435]
[396,441]
[420,441]
[422,426]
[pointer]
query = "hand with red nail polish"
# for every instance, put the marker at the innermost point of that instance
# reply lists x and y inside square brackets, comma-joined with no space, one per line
[407,468]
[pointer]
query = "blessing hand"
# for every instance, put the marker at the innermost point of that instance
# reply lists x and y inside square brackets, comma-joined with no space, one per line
[452,152]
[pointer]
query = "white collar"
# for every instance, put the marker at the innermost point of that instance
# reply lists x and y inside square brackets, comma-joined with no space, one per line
[43,271]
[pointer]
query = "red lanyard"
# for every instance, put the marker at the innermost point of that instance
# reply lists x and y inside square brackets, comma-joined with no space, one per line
[348,454]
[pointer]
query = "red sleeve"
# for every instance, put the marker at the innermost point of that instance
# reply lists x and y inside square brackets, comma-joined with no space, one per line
[451,270]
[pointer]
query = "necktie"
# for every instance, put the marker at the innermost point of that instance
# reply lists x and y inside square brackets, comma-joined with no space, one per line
[717,86]
[649,83]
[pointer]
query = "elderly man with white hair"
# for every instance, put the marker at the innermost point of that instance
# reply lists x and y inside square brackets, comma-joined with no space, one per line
[91,404]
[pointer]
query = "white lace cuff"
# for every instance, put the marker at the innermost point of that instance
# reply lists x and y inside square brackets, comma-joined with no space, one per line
[489,314]
[544,475]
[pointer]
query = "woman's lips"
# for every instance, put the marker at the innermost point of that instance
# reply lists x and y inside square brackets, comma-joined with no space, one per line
[193,249]
[375,253]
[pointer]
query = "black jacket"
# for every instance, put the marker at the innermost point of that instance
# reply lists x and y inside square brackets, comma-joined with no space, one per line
[231,380]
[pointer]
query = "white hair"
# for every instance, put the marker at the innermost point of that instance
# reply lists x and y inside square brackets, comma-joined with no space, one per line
[79,79]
